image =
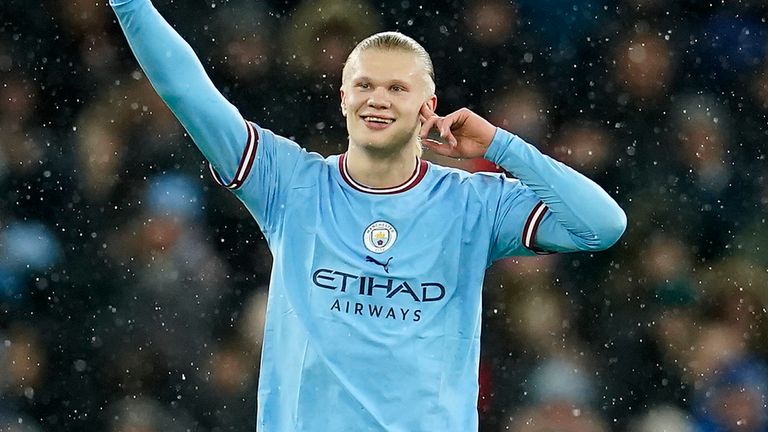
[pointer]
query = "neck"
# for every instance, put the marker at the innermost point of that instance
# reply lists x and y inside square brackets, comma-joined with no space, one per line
[380,169]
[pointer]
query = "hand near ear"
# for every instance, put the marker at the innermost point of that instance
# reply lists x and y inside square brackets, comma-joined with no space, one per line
[466,134]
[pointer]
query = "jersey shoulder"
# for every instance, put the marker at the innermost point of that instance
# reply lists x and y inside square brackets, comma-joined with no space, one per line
[456,177]
[306,161]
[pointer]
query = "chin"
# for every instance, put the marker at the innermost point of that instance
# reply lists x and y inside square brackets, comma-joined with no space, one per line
[378,146]
[388,141]
[368,140]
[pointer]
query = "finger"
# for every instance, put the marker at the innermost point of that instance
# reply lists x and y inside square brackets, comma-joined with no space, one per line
[439,148]
[445,130]
[427,126]
[426,111]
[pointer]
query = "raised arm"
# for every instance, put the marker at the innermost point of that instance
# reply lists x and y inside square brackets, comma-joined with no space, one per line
[177,75]
[583,216]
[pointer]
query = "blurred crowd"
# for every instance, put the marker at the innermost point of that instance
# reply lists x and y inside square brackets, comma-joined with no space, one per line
[132,289]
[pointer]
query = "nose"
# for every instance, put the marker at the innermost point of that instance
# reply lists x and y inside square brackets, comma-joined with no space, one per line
[378,98]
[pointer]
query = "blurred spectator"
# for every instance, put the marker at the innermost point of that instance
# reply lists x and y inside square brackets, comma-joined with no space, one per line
[560,417]
[230,384]
[666,270]
[230,375]
[86,23]
[584,146]
[644,66]
[245,29]
[23,362]
[26,248]
[734,398]
[523,110]
[662,419]
[708,186]
[563,380]
[146,415]
[704,138]
[127,130]
[23,144]
[166,313]
[732,292]
[491,23]
[323,33]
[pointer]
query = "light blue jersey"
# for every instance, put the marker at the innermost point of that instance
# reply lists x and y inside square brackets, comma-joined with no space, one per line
[374,311]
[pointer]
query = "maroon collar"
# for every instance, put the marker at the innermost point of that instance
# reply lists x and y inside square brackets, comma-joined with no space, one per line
[413,180]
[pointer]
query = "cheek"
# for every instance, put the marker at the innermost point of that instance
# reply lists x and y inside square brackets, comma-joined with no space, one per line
[412,112]
[353,103]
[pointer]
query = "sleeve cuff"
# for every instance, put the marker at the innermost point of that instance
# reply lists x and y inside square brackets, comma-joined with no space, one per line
[532,226]
[500,144]
[246,161]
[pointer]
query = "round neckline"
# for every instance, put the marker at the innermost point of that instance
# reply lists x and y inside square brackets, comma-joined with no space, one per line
[418,174]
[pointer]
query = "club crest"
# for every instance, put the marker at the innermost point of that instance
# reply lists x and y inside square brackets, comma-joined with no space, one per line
[379,236]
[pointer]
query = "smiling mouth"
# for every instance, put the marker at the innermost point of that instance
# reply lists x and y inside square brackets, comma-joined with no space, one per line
[373,119]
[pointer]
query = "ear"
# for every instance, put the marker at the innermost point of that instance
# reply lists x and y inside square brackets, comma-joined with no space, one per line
[343,102]
[432,101]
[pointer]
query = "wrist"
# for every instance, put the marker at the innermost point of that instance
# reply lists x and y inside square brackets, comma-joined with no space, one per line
[499,144]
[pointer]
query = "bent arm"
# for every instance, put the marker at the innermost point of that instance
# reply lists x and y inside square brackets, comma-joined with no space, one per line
[579,214]
[177,75]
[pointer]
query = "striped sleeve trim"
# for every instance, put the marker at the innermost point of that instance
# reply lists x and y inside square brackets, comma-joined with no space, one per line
[246,161]
[532,225]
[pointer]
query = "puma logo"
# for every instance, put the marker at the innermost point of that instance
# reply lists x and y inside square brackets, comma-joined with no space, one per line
[375,261]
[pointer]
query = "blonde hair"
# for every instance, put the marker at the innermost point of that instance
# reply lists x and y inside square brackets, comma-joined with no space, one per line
[394,41]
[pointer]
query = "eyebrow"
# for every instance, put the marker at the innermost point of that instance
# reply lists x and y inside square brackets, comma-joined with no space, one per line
[393,81]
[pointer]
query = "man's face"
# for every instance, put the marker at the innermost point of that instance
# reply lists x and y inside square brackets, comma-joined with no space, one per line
[381,98]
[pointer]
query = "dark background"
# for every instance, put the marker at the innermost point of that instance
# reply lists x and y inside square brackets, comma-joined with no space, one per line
[132,288]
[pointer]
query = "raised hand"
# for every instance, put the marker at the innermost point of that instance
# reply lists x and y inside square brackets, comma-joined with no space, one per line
[466,135]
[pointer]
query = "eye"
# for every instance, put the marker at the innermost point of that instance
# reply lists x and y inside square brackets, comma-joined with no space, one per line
[364,85]
[397,88]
